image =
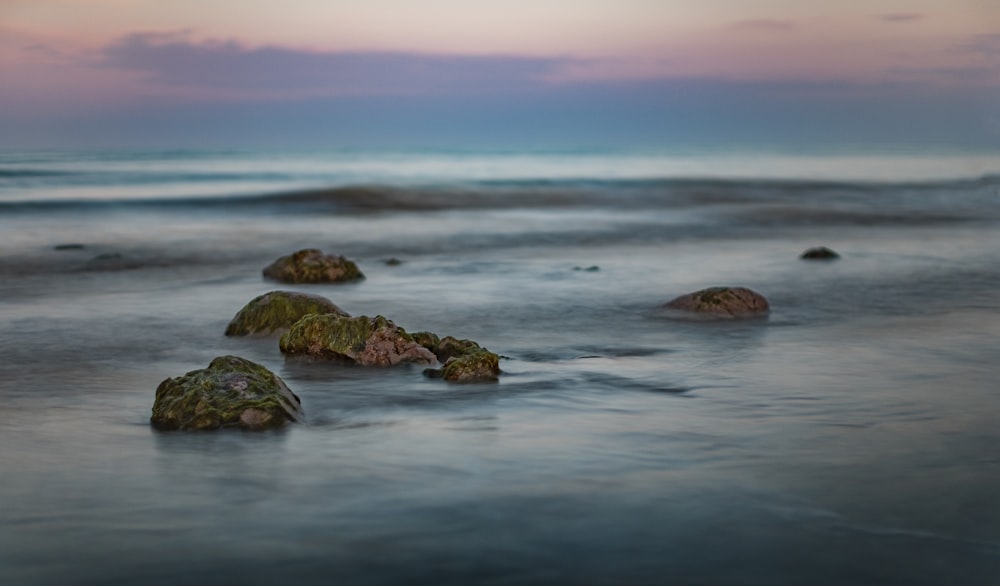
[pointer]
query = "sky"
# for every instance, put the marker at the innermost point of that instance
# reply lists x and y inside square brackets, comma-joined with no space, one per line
[510,74]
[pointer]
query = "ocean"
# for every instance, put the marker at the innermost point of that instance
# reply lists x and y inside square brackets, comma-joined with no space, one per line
[848,438]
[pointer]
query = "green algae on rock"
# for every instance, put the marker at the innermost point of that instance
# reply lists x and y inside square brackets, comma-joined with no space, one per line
[275,312]
[310,265]
[723,302]
[231,392]
[368,341]
[428,340]
[820,253]
[449,347]
[463,360]
[475,367]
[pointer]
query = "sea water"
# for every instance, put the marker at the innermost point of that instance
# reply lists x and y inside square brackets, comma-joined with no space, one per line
[848,438]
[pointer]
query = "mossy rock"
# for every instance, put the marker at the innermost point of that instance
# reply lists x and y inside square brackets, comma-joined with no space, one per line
[310,265]
[275,312]
[368,341]
[428,340]
[820,253]
[231,392]
[475,367]
[723,302]
[463,360]
[449,347]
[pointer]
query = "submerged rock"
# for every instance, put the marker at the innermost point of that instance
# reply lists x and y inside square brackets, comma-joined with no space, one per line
[231,392]
[275,312]
[368,341]
[111,261]
[463,360]
[820,253]
[310,265]
[723,301]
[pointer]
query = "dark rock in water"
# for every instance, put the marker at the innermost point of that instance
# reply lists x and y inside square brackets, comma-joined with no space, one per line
[820,253]
[275,312]
[449,347]
[111,261]
[71,246]
[231,392]
[590,269]
[368,341]
[463,360]
[723,301]
[393,262]
[481,366]
[428,340]
[312,266]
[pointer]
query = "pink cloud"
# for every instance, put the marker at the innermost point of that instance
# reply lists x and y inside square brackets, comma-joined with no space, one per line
[900,17]
[174,62]
[763,25]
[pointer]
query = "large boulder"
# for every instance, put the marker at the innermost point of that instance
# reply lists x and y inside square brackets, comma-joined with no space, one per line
[275,312]
[463,360]
[310,265]
[368,341]
[231,392]
[820,253]
[723,301]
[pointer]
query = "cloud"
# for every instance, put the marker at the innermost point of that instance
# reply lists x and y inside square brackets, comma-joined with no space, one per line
[174,60]
[900,17]
[763,25]
[987,45]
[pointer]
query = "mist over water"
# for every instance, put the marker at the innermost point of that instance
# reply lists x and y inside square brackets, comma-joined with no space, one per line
[848,438]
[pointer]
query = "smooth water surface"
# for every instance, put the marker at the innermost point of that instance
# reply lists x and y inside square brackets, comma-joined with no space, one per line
[848,438]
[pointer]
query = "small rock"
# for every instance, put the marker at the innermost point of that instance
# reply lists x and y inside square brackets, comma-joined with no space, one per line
[368,341]
[590,269]
[393,262]
[70,246]
[819,253]
[231,392]
[481,366]
[463,361]
[723,301]
[275,312]
[310,265]
[111,261]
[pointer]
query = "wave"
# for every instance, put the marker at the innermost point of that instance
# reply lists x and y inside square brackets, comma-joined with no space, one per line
[755,200]
[31,173]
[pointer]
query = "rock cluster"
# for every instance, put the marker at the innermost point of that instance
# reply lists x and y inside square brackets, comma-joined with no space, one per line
[463,361]
[363,340]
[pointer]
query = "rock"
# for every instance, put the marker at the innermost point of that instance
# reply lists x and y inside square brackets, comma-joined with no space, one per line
[69,246]
[590,269]
[723,301]
[368,341]
[312,266]
[463,360]
[819,253]
[231,392]
[428,340]
[392,262]
[481,366]
[275,312]
[449,347]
